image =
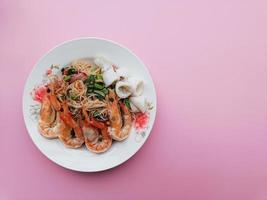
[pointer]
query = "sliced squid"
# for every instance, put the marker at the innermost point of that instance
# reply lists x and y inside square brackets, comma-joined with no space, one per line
[103,63]
[137,86]
[133,107]
[123,89]
[140,103]
[109,77]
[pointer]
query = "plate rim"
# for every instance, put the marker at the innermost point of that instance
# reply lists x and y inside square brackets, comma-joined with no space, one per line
[79,39]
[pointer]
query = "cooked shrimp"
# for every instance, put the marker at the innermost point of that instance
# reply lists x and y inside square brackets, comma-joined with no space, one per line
[71,137]
[52,96]
[96,135]
[117,130]
[97,141]
[48,122]
[70,132]
[114,115]
[127,123]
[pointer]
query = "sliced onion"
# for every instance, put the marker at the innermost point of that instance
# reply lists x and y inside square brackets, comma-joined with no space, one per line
[80,76]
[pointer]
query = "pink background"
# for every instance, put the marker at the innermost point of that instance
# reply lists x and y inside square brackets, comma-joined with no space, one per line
[209,63]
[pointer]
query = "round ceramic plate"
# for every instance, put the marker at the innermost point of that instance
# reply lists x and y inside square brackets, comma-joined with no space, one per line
[81,159]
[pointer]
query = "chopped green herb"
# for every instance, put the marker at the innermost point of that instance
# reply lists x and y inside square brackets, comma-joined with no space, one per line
[99,78]
[66,78]
[99,97]
[91,78]
[90,90]
[96,113]
[100,93]
[127,103]
[89,86]
[71,71]
[105,91]
[74,97]
[98,86]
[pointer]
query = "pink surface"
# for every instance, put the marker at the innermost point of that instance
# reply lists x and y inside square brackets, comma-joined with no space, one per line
[209,63]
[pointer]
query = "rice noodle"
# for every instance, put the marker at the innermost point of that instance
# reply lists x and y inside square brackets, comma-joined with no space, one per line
[82,66]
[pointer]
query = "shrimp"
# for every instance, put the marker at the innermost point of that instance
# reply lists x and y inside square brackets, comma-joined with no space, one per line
[119,129]
[114,114]
[127,122]
[48,122]
[96,142]
[96,135]
[70,132]
[52,96]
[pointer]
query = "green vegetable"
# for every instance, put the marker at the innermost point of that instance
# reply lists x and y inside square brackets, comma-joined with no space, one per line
[91,78]
[89,86]
[105,91]
[94,83]
[71,71]
[99,78]
[127,103]
[99,97]
[98,86]
[73,97]
[66,78]
[89,82]
[90,90]
[96,113]
[94,69]
[100,93]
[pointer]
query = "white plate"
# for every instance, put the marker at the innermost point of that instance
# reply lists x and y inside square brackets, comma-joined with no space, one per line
[81,159]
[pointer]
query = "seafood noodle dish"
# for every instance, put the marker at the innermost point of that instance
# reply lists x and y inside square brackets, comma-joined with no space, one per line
[90,102]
